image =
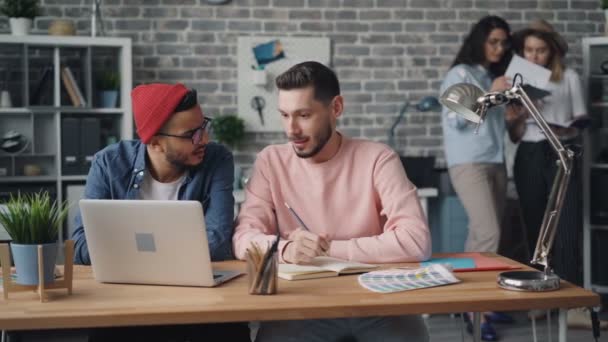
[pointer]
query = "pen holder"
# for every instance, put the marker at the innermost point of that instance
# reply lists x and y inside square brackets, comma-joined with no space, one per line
[262,272]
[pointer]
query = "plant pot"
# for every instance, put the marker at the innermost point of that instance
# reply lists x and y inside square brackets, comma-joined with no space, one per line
[26,262]
[109,98]
[20,26]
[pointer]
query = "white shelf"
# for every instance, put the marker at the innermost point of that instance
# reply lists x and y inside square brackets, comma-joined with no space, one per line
[73,41]
[52,110]
[599,289]
[593,50]
[27,179]
[14,110]
[600,104]
[75,110]
[74,178]
[599,226]
[28,155]
[599,76]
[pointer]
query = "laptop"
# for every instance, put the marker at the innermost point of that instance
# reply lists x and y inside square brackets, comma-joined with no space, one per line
[149,242]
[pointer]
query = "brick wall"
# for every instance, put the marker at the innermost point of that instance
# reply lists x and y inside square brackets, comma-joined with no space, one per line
[384,51]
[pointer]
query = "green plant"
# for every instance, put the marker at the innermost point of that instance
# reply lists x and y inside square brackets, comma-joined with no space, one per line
[228,129]
[33,218]
[604,4]
[108,80]
[19,8]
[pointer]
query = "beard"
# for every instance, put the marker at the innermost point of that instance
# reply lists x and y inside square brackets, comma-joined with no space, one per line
[180,160]
[321,139]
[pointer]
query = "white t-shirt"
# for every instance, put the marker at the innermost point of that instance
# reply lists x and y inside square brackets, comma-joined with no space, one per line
[565,103]
[151,189]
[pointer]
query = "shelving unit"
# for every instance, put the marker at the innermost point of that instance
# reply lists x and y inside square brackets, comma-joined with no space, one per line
[595,166]
[40,107]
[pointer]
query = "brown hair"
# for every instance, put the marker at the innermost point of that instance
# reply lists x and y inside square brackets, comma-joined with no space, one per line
[557,45]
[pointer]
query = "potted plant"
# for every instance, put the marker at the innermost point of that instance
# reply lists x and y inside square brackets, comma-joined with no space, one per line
[32,220]
[20,14]
[108,84]
[228,129]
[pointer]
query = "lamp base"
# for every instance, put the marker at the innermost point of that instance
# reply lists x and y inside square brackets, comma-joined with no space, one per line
[534,281]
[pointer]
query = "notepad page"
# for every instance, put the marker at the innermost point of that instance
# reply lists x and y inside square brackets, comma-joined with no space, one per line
[299,269]
[339,265]
[324,263]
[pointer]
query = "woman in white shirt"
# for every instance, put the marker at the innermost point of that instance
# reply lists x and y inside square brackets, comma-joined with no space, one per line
[535,161]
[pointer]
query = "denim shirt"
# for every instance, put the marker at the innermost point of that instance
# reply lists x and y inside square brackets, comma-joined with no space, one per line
[118,171]
[462,145]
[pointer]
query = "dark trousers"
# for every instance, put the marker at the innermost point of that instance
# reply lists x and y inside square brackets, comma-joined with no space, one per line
[534,171]
[174,333]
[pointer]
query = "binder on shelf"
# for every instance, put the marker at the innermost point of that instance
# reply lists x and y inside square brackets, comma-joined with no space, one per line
[42,87]
[70,146]
[90,142]
[72,87]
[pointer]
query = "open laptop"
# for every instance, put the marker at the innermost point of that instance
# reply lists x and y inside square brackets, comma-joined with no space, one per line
[149,242]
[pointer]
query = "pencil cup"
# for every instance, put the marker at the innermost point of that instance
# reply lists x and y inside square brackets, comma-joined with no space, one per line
[262,272]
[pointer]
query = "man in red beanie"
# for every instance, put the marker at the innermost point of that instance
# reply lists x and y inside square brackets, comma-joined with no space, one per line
[174,160]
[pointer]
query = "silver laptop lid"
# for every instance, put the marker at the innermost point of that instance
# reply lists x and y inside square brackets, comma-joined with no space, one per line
[147,242]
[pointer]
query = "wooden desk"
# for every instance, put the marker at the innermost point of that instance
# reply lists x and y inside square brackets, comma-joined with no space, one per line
[104,305]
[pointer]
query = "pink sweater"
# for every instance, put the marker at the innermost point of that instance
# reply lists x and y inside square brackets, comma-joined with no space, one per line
[361,198]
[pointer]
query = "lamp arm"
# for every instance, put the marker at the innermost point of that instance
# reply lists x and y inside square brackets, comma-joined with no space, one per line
[560,183]
[391,132]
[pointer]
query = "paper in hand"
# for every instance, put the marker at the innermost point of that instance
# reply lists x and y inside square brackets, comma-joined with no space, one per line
[532,74]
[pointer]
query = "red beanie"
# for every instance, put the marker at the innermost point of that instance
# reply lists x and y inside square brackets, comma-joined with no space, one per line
[153,105]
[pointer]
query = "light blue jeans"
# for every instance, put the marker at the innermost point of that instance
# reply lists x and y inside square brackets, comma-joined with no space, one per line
[365,329]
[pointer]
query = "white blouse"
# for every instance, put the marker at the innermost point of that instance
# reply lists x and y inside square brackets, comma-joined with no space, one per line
[565,103]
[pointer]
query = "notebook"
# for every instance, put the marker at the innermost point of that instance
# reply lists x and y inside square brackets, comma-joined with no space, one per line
[322,267]
[468,262]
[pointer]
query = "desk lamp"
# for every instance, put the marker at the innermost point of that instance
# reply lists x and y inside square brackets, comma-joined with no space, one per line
[426,104]
[473,103]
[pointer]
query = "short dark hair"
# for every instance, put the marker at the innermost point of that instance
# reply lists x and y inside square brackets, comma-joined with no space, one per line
[473,49]
[321,78]
[188,101]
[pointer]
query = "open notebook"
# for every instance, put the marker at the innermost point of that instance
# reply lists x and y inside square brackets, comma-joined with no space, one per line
[322,267]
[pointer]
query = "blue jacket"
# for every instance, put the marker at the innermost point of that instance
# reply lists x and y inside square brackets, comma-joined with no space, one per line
[117,173]
[462,145]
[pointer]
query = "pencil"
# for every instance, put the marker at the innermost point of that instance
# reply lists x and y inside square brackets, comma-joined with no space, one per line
[296,217]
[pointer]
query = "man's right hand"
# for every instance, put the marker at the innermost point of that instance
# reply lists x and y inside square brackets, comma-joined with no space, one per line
[304,246]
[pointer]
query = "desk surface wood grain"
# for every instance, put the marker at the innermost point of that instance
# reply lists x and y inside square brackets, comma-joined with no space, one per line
[95,304]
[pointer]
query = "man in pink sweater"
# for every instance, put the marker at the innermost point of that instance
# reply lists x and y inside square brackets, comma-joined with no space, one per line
[353,196]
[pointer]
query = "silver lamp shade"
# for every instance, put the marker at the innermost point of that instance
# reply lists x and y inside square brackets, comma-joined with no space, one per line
[462,99]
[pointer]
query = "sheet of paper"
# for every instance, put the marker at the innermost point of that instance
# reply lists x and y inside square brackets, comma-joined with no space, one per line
[533,74]
[396,280]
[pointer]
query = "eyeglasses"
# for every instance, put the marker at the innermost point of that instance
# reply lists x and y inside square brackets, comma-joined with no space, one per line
[196,135]
[506,44]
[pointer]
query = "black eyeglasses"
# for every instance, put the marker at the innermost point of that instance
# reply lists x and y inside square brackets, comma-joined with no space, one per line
[196,135]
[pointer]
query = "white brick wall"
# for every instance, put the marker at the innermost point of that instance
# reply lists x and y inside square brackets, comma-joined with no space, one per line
[384,51]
